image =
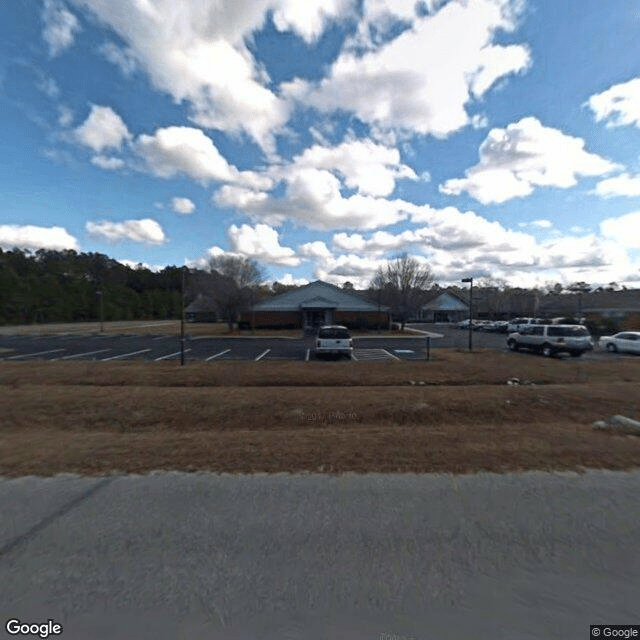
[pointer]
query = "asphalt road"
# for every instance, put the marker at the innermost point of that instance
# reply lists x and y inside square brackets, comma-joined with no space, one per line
[111,347]
[174,555]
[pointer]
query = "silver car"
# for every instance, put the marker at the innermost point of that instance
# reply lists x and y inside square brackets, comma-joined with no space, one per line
[625,341]
[551,339]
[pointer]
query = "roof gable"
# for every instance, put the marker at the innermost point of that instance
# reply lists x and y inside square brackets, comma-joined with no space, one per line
[445,302]
[317,294]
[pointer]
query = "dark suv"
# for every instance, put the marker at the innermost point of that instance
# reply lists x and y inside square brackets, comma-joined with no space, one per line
[550,339]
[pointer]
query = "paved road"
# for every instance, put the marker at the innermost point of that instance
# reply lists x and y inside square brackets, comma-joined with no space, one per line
[174,555]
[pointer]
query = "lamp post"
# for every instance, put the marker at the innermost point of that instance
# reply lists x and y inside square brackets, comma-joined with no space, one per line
[100,294]
[182,321]
[470,281]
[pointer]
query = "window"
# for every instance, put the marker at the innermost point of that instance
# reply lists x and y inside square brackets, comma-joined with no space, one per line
[568,332]
[334,334]
[536,331]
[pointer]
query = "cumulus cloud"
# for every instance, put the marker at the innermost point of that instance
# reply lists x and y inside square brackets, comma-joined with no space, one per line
[622,185]
[107,162]
[459,61]
[261,243]
[103,129]
[525,155]
[133,264]
[370,168]
[173,151]
[147,231]
[196,51]
[60,26]
[619,105]
[625,229]
[288,280]
[33,237]
[183,205]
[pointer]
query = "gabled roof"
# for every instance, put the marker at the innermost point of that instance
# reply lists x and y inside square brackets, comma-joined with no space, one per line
[318,295]
[445,301]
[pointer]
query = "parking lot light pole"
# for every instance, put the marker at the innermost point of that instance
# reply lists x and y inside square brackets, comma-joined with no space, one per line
[99,293]
[470,281]
[182,321]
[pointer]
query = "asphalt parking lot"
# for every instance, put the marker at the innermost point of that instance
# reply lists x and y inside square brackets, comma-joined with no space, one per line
[150,347]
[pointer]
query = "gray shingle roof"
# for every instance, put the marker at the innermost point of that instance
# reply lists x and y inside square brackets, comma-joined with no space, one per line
[317,294]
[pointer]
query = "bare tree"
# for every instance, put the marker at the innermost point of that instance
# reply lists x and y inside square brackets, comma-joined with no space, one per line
[402,285]
[236,285]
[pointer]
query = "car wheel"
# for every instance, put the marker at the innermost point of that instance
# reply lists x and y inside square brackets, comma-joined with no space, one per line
[612,347]
[547,351]
[513,345]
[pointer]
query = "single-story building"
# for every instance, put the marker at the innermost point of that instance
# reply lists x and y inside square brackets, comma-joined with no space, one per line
[444,307]
[202,309]
[316,304]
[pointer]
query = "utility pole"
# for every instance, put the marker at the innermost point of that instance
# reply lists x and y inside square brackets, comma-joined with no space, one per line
[470,281]
[182,321]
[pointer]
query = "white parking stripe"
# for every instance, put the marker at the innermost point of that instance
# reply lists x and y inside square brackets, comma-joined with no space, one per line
[30,355]
[353,356]
[262,355]
[217,354]
[124,355]
[177,353]
[391,355]
[79,355]
[306,358]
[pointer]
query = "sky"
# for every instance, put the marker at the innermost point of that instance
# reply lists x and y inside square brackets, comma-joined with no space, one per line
[493,139]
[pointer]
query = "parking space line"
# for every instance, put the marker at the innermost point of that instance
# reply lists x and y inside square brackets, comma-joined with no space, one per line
[391,355]
[353,356]
[177,353]
[124,355]
[30,355]
[262,355]
[217,354]
[162,337]
[306,358]
[79,355]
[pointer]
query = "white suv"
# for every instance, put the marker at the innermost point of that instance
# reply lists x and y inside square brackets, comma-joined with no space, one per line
[519,323]
[334,340]
[550,339]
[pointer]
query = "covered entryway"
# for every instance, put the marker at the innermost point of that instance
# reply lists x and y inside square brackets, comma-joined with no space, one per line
[315,313]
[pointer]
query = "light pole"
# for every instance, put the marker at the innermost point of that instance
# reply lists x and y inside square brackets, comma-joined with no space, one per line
[99,293]
[182,321]
[470,281]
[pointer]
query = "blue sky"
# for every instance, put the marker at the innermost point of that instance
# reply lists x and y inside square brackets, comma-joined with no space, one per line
[490,138]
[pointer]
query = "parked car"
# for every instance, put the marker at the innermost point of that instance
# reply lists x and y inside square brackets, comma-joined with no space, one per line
[334,340]
[518,323]
[551,339]
[625,341]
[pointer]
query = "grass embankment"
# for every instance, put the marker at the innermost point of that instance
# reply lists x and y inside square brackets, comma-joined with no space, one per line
[93,417]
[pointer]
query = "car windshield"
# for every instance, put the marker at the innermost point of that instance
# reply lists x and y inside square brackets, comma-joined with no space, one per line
[333,332]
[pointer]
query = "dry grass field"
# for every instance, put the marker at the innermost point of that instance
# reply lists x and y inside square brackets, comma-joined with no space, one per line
[97,417]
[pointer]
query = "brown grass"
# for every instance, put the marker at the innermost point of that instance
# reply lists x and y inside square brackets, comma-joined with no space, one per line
[93,417]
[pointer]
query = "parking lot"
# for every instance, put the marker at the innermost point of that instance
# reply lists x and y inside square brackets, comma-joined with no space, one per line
[113,347]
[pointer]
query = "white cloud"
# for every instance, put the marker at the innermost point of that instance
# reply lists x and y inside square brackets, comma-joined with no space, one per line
[172,151]
[619,105]
[33,238]
[261,243]
[370,168]
[122,58]
[288,280]
[625,229]
[308,19]
[147,231]
[458,61]
[60,26]
[196,51]
[540,224]
[133,264]
[315,249]
[103,129]
[525,155]
[65,116]
[622,185]
[183,205]
[107,162]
